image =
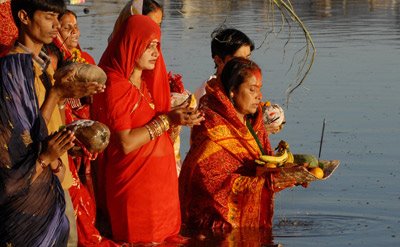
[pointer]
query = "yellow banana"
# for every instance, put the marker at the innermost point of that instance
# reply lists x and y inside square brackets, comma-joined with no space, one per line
[192,101]
[290,158]
[279,159]
[283,155]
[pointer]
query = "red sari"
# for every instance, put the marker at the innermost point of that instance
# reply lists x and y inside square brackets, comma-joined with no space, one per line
[141,187]
[82,194]
[218,183]
[8,30]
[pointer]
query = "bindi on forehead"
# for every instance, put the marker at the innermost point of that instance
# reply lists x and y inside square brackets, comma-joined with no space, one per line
[153,43]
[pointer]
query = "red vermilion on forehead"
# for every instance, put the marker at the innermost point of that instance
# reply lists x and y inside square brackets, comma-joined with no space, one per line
[257,74]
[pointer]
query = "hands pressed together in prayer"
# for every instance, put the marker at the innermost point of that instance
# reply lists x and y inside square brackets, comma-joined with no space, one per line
[57,144]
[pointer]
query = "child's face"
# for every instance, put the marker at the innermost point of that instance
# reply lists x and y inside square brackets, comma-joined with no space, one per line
[43,27]
[243,52]
[156,16]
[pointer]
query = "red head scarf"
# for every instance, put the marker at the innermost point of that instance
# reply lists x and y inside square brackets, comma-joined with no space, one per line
[126,47]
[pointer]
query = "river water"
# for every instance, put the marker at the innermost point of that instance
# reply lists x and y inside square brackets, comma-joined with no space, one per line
[353,84]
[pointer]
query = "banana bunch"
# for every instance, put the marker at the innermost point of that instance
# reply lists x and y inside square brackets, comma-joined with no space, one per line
[283,155]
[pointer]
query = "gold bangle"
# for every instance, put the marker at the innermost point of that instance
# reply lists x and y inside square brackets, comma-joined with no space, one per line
[151,133]
[41,163]
[156,126]
[58,168]
[165,120]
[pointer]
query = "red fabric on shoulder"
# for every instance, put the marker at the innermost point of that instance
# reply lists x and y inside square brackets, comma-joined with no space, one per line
[141,187]
[8,30]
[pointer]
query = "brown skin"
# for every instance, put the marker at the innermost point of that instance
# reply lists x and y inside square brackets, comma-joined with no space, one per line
[247,97]
[244,52]
[156,16]
[40,30]
[182,115]
[57,145]
[34,33]
[69,31]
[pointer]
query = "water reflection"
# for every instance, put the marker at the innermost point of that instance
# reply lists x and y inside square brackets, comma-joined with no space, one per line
[236,237]
[322,225]
[354,84]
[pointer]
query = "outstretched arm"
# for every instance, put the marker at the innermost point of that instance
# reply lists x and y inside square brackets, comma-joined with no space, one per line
[133,139]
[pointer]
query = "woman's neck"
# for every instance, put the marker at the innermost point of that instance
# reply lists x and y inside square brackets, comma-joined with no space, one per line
[136,77]
[241,117]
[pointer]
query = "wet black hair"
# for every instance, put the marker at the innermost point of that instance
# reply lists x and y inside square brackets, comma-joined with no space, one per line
[150,6]
[226,41]
[235,72]
[31,6]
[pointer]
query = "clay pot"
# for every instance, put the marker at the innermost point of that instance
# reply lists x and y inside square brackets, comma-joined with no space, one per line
[83,72]
[93,135]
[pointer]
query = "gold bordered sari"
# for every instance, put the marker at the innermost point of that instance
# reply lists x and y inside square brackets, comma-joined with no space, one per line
[218,182]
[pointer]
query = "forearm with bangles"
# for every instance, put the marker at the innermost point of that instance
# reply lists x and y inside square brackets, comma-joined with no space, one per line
[55,169]
[43,165]
[158,126]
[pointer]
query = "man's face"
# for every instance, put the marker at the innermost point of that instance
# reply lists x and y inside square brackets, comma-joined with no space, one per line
[42,27]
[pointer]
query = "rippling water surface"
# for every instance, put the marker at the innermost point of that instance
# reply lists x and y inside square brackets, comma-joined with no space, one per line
[354,84]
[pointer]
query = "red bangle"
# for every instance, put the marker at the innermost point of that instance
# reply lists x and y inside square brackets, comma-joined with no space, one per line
[58,168]
[41,163]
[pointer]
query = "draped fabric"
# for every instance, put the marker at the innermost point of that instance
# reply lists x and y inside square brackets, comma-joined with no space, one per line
[141,187]
[32,213]
[8,30]
[218,182]
[43,82]
[81,192]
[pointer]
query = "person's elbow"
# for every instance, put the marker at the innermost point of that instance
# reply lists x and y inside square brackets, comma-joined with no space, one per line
[126,148]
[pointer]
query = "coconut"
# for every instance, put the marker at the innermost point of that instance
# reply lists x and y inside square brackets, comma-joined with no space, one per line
[274,118]
[83,72]
[93,135]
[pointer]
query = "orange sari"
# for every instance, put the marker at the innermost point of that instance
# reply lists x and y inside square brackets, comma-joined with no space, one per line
[218,183]
[141,187]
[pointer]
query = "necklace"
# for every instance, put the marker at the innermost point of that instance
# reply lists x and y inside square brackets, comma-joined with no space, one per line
[150,102]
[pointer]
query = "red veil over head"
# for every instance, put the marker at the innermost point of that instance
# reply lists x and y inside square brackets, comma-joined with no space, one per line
[126,47]
[132,186]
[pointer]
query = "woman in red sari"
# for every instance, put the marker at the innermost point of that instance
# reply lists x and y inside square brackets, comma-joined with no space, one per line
[141,185]
[220,185]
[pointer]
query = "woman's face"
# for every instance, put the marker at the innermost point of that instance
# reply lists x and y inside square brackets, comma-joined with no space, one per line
[149,57]
[70,31]
[156,16]
[248,96]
